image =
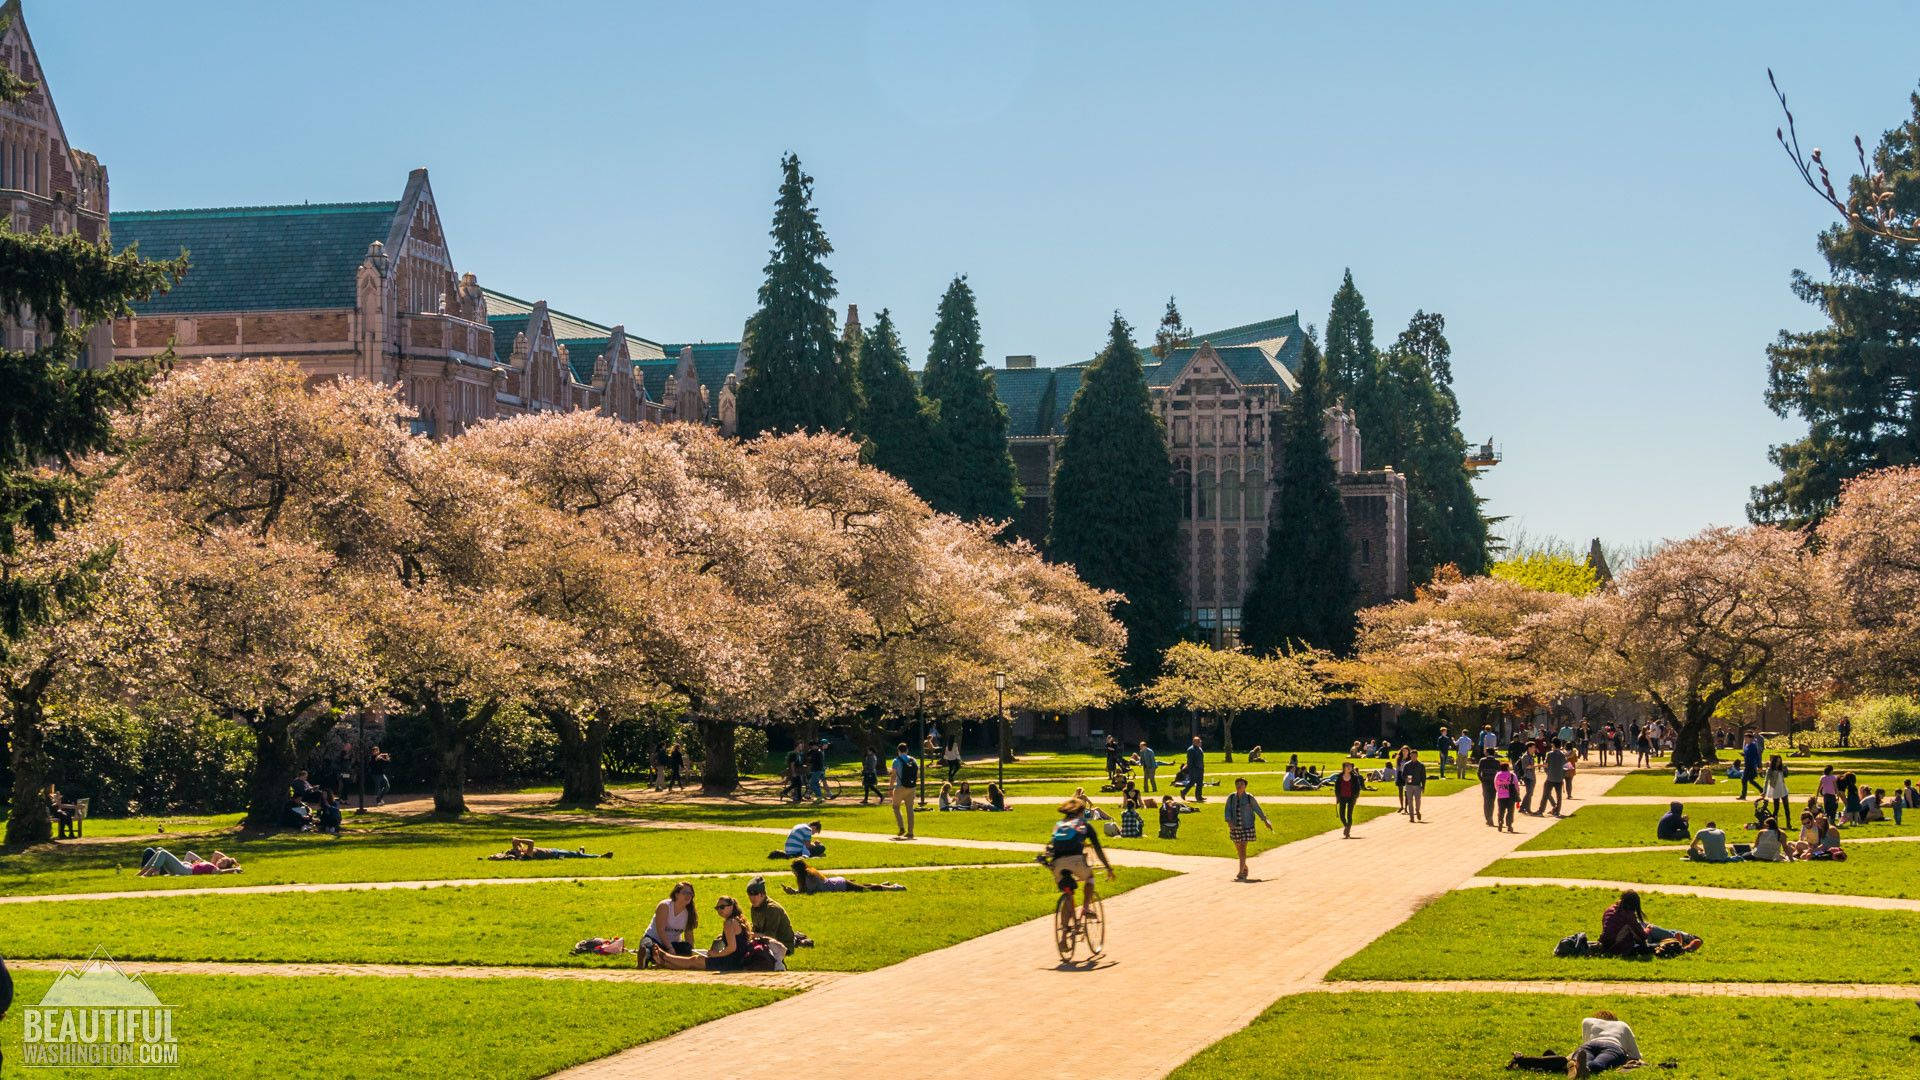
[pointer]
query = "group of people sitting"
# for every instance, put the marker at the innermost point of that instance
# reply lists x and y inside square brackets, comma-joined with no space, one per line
[159,862]
[1372,748]
[1818,838]
[313,808]
[963,799]
[759,937]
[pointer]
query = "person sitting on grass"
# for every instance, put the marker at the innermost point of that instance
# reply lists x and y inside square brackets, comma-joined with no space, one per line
[1870,807]
[996,797]
[328,813]
[1624,930]
[801,842]
[1257,755]
[1769,844]
[771,920]
[1709,845]
[1606,1042]
[674,921]
[1673,824]
[946,796]
[736,949]
[812,881]
[521,849]
[1170,809]
[159,862]
[299,816]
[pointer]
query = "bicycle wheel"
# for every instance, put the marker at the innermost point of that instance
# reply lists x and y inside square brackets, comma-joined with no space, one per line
[1095,928]
[1066,927]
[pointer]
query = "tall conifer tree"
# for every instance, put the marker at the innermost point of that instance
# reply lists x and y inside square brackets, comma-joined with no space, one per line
[1444,525]
[1172,333]
[901,426]
[1350,356]
[1114,515]
[51,412]
[794,379]
[1304,591]
[980,481]
[1853,381]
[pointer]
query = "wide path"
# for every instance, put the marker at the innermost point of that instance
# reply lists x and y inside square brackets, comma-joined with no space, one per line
[1185,939]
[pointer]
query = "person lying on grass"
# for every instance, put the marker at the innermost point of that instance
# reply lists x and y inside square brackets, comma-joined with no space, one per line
[1606,1042]
[812,881]
[521,849]
[159,862]
[736,950]
[1625,931]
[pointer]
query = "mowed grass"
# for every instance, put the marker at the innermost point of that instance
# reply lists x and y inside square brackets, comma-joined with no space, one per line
[334,1027]
[1802,780]
[146,825]
[1509,932]
[1869,870]
[1201,833]
[532,924]
[427,849]
[1597,825]
[1363,1036]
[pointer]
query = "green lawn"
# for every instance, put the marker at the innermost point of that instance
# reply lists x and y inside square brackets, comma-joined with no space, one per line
[144,825]
[1599,825]
[532,924]
[1509,933]
[425,849]
[1202,833]
[1369,1035]
[1870,870]
[1803,780]
[330,1027]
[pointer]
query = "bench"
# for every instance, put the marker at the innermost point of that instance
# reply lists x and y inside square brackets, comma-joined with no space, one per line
[76,825]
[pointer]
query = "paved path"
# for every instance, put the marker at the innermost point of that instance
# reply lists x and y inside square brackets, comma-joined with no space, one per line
[1633,989]
[783,980]
[1164,941]
[1765,896]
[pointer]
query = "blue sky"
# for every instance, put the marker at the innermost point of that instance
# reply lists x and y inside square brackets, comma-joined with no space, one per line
[1592,195]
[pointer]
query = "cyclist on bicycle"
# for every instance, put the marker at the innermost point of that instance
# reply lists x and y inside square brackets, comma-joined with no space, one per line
[1067,851]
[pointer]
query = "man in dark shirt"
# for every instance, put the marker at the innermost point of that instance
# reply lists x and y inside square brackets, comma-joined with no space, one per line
[1489,767]
[817,771]
[1556,778]
[1197,769]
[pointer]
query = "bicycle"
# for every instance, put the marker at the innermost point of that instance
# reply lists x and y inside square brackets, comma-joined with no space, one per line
[1070,928]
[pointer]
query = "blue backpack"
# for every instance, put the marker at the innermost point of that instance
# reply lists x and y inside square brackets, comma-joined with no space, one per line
[1069,837]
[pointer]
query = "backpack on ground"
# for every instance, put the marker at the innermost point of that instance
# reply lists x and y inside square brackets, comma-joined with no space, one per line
[601,946]
[1573,945]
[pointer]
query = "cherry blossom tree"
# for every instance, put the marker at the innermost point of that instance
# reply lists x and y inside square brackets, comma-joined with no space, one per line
[1870,545]
[1223,683]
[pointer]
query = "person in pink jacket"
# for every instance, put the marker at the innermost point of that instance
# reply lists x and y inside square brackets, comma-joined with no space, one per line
[1506,794]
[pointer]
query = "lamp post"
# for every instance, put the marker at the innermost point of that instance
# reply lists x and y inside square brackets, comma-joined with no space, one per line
[920,709]
[360,764]
[1000,725]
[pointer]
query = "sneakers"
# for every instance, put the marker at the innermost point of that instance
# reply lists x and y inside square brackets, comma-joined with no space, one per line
[1693,944]
[1577,1065]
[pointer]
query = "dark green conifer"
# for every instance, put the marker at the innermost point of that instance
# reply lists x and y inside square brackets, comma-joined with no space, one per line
[902,428]
[979,479]
[794,379]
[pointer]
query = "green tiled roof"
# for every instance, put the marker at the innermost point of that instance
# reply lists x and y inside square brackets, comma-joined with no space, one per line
[583,353]
[257,258]
[505,329]
[1248,364]
[1286,328]
[712,360]
[1037,399]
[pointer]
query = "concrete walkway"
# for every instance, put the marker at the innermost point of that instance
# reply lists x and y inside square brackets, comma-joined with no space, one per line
[780,980]
[1631,989]
[1312,903]
[1764,896]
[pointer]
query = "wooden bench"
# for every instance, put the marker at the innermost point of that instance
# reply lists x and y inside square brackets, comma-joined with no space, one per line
[76,825]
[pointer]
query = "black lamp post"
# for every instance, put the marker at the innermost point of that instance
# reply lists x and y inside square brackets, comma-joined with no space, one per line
[1000,724]
[360,764]
[920,689]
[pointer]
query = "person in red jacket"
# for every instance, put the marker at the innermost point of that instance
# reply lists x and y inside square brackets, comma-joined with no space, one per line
[1346,792]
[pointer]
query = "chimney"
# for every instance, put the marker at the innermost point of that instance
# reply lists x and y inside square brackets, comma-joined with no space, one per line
[1022,363]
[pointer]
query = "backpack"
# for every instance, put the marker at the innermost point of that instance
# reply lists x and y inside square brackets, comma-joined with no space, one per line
[1573,945]
[601,946]
[909,772]
[1068,838]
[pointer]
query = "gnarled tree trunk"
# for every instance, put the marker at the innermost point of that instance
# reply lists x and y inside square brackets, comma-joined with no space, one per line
[281,740]
[451,726]
[583,744]
[28,821]
[1226,735]
[1693,738]
[1006,739]
[719,772]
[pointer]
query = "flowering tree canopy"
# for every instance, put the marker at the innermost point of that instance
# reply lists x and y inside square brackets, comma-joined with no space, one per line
[1223,683]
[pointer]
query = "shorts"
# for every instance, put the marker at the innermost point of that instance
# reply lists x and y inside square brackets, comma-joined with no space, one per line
[1072,864]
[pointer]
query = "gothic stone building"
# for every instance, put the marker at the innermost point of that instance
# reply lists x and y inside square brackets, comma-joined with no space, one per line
[369,290]
[44,182]
[1217,400]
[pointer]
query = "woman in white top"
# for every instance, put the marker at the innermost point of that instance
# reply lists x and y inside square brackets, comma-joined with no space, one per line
[1769,844]
[951,757]
[674,921]
[1776,789]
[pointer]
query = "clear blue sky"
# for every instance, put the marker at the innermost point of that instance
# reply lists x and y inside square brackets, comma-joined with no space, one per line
[1591,195]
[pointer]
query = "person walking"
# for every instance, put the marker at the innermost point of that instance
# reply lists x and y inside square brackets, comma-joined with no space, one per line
[904,772]
[1416,777]
[1464,745]
[1527,768]
[1488,767]
[378,760]
[1196,771]
[676,763]
[1488,740]
[1346,793]
[1750,766]
[1556,771]
[1148,766]
[1846,732]
[870,776]
[1242,808]
[1506,792]
[660,767]
[816,760]
[1830,793]
[951,758]
[1446,751]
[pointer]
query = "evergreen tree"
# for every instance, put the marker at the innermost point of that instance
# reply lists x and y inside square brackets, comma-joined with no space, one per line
[794,379]
[979,479]
[1444,524]
[1350,353]
[1853,381]
[1113,513]
[1172,334]
[1304,592]
[901,426]
[51,412]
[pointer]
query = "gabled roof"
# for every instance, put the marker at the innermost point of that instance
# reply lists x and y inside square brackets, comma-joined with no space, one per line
[254,258]
[1037,399]
[586,340]
[712,360]
[1251,365]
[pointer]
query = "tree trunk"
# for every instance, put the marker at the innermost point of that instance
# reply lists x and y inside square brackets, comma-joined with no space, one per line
[719,773]
[1693,741]
[449,759]
[583,743]
[28,821]
[270,791]
[1006,739]
[1226,735]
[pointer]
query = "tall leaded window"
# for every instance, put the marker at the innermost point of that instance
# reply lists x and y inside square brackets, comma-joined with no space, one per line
[1183,490]
[1209,495]
[1229,493]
